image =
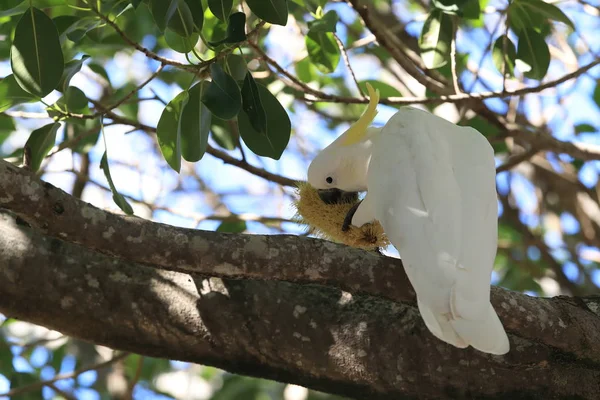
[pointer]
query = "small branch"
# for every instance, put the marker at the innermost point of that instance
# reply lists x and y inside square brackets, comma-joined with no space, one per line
[197,69]
[137,89]
[452,98]
[516,160]
[347,62]
[454,73]
[82,177]
[405,57]
[65,395]
[26,114]
[70,375]
[226,158]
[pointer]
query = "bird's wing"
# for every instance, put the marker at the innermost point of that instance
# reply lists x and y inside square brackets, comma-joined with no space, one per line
[475,173]
[418,202]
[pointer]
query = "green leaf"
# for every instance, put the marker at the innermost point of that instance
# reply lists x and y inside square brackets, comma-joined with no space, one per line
[596,95]
[252,105]
[58,355]
[325,24]
[236,29]
[323,51]
[273,11]
[504,60]
[222,97]
[489,131]
[195,124]
[179,43]
[306,71]
[117,197]
[522,17]
[11,94]
[64,23]
[182,21]
[35,56]
[213,28]
[8,4]
[6,357]
[129,108]
[235,66]
[197,13]
[220,8]
[435,39]
[39,144]
[85,133]
[99,69]
[73,101]
[162,11]
[24,5]
[471,10]
[221,134]
[585,128]
[273,142]
[533,55]
[71,68]
[452,7]
[80,28]
[547,10]
[232,227]
[168,130]
[385,90]
[7,127]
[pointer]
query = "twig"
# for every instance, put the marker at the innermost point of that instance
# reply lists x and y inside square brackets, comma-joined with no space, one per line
[226,158]
[511,215]
[137,89]
[347,62]
[517,159]
[65,395]
[453,57]
[409,61]
[70,375]
[453,98]
[165,61]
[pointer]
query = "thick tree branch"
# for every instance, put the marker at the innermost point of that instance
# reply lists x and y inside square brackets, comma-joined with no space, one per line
[359,346]
[147,293]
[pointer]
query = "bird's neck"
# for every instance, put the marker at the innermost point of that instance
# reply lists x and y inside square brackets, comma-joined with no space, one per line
[358,165]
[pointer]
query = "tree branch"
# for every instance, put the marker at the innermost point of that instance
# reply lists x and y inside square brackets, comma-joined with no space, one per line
[316,336]
[374,345]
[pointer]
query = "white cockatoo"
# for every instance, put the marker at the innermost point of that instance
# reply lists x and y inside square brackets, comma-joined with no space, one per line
[431,184]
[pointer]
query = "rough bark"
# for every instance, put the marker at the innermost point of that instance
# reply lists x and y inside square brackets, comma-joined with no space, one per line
[141,286]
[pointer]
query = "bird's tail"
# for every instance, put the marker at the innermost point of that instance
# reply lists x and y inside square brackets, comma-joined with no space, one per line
[486,335]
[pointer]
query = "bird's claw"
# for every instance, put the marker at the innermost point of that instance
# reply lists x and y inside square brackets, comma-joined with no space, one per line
[348,219]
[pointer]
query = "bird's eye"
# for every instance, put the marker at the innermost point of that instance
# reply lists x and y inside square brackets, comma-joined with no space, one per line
[329,179]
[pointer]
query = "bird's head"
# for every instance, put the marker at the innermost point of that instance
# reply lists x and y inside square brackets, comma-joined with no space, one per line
[339,170]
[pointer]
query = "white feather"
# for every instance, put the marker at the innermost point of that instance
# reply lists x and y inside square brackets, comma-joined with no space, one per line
[431,184]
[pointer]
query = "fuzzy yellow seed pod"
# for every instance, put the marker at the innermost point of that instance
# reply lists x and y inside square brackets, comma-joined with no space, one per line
[325,220]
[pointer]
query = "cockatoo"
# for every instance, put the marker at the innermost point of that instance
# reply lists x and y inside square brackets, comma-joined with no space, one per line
[431,184]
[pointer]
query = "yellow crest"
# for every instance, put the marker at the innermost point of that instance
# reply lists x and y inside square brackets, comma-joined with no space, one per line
[355,133]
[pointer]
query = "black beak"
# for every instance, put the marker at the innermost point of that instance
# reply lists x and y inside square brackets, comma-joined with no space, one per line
[337,196]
